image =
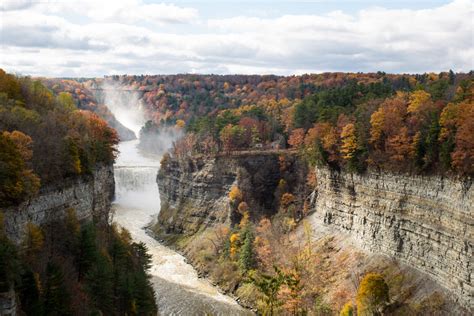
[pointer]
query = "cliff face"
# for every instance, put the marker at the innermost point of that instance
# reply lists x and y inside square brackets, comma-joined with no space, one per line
[194,192]
[426,222]
[89,196]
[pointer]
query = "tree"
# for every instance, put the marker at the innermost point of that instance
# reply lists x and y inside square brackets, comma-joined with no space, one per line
[235,195]
[66,102]
[296,138]
[320,144]
[372,295]
[269,286]
[87,250]
[418,100]
[349,141]
[463,154]
[246,256]
[56,296]
[34,239]
[17,182]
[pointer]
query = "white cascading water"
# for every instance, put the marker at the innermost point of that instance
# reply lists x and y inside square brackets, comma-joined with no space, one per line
[177,287]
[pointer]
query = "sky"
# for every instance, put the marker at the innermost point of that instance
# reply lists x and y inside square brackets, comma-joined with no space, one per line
[93,38]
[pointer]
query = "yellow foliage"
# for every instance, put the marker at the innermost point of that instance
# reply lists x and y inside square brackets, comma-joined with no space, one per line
[347,309]
[234,243]
[372,294]
[377,121]
[180,124]
[234,238]
[417,99]
[245,219]
[290,223]
[447,120]
[235,194]
[349,141]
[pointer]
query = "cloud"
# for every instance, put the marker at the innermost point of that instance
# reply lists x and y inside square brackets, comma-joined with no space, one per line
[95,38]
[10,5]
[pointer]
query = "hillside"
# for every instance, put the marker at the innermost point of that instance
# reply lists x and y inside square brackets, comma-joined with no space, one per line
[59,253]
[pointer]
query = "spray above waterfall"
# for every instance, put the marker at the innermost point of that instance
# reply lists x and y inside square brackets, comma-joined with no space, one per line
[129,109]
[125,104]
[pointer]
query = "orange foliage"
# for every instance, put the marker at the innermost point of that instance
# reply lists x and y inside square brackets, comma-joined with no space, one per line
[463,154]
[287,199]
[296,137]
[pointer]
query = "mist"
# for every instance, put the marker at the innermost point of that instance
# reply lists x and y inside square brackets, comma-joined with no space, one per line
[160,140]
[126,105]
[128,108]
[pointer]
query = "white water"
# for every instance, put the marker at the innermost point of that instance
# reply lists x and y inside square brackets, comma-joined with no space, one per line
[178,289]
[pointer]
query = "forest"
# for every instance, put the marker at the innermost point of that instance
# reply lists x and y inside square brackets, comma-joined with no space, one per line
[66,267]
[403,123]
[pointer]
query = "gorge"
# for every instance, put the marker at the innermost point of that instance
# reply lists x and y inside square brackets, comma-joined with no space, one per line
[422,222]
[178,289]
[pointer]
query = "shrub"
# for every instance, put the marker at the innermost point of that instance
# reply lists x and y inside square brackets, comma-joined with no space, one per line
[347,309]
[235,194]
[372,294]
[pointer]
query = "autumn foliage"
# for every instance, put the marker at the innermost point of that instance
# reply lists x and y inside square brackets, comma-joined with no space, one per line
[44,138]
[372,295]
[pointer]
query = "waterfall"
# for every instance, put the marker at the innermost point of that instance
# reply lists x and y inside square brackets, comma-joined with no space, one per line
[135,187]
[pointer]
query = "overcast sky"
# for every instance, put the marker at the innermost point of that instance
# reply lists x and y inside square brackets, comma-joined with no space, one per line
[85,38]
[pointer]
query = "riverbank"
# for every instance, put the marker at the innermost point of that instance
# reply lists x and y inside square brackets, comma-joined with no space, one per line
[201,272]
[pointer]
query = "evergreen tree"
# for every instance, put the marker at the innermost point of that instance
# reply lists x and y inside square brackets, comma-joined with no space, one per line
[100,286]
[56,296]
[246,258]
[29,292]
[87,252]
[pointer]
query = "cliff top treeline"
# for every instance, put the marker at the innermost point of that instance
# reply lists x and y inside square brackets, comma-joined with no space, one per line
[405,123]
[45,139]
[418,123]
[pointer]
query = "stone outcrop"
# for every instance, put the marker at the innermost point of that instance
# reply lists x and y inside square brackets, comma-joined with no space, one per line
[426,222]
[194,192]
[90,197]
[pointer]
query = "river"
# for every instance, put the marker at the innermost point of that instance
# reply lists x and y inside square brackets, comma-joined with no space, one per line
[178,289]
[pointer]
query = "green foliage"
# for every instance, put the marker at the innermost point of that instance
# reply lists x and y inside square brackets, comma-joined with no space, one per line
[106,272]
[269,286]
[56,297]
[30,293]
[66,102]
[246,255]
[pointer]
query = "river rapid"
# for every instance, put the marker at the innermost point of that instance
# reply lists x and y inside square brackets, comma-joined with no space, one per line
[178,289]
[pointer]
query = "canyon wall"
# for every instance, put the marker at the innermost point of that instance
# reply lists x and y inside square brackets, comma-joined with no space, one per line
[90,196]
[423,221]
[194,191]
[426,222]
